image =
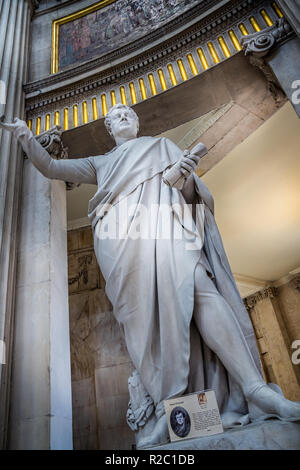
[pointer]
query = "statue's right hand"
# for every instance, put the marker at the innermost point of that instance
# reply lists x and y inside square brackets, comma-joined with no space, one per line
[12,126]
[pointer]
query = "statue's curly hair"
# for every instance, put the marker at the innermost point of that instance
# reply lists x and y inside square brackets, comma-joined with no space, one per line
[107,119]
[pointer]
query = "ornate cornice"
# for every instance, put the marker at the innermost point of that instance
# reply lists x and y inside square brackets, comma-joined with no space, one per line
[208,27]
[124,51]
[251,301]
[260,44]
[79,95]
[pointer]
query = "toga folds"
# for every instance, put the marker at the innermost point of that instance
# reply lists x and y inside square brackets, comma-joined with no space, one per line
[150,280]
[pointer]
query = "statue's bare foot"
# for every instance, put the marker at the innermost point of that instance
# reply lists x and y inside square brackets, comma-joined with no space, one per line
[263,401]
[159,435]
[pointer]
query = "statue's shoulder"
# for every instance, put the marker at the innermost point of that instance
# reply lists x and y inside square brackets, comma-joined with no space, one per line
[155,139]
[147,138]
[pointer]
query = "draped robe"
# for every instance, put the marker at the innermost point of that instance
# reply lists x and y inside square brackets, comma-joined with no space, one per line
[150,282]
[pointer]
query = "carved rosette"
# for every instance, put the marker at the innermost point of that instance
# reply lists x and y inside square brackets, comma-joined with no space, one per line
[251,301]
[52,142]
[261,43]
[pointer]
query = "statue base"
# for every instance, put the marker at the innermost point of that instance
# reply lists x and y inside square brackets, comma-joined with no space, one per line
[272,434]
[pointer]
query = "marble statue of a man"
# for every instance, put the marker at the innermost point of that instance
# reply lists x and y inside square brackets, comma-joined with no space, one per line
[184,323]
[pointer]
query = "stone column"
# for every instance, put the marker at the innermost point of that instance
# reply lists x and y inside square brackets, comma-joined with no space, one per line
[276,51]
[41,402]
[273,340]
[14,46]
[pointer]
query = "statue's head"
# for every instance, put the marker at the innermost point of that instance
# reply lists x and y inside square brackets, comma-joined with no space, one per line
[122,121]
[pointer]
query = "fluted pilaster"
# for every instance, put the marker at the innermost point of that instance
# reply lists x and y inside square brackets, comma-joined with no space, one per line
[14,42]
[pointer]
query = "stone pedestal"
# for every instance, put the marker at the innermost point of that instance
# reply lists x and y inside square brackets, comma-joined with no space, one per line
[268,435]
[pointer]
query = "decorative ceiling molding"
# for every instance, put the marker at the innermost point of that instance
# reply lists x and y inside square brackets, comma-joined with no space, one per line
[261,43]
[213,39]
[209,25]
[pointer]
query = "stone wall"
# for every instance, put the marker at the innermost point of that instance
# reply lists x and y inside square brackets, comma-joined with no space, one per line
[275,314]
[99,360]
[289,303]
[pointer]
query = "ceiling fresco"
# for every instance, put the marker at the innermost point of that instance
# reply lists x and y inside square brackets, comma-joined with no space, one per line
[113,26]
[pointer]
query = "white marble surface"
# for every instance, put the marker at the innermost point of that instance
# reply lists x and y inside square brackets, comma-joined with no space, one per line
[268,435]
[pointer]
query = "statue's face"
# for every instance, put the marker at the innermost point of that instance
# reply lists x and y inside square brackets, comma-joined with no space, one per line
[123,124]
[180,418]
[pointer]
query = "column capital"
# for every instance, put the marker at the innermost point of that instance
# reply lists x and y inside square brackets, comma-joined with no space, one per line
[51,140]
[261,43]
[251,301]
[258,45]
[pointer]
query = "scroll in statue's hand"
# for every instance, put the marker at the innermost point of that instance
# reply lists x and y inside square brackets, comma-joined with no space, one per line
[188,163]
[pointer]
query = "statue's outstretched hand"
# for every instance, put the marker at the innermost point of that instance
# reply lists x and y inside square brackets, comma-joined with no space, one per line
[12,126]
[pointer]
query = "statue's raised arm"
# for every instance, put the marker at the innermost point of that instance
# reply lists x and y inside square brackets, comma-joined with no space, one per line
[79,170]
